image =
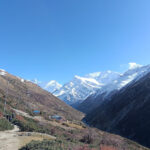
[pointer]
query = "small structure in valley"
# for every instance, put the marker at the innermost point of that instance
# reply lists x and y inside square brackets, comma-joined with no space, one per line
[56,117]
[36,112]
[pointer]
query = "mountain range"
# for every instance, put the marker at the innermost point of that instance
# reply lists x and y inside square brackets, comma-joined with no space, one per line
[80,88]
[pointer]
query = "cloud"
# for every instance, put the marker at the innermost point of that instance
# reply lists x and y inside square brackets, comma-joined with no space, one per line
[133,65]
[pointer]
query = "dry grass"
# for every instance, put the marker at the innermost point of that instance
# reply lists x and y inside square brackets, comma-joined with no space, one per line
[26,137]
[25,140]
[73,125]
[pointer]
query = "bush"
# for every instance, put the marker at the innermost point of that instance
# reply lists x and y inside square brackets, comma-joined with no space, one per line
[29,125]
[87,139]
[5,125]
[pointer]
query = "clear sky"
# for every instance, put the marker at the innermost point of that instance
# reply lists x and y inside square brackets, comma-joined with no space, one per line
[57,39]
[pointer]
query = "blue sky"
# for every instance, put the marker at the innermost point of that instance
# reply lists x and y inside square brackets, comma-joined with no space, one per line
[57,39]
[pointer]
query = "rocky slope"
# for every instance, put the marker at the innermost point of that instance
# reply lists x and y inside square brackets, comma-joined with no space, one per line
[126,112]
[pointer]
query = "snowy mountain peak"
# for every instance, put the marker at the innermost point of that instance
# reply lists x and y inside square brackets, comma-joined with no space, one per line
[84,79]
[52,86]
[2,72]
[53,82]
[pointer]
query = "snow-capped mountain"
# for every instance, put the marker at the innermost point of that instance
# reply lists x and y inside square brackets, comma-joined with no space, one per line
[129,76]
[52,86]
[106,92]
[79,88]
[2,72]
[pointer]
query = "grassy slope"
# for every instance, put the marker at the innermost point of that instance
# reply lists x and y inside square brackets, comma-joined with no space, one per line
[4,124]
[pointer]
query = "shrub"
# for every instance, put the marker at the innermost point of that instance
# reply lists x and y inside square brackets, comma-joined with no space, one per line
[87,139]
[5,125]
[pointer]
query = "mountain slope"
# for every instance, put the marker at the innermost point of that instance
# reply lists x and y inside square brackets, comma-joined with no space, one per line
[27,96]
[80,88]
[127,112]
[109,89]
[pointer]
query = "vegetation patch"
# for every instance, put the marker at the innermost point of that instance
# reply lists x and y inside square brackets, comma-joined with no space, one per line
[29,125]
[5,125]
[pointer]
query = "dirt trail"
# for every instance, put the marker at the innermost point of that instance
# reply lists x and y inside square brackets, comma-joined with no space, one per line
[13,139]
[9,139]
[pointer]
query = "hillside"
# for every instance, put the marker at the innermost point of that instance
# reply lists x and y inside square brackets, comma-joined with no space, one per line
[27,96]
[126,113]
